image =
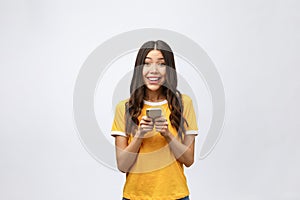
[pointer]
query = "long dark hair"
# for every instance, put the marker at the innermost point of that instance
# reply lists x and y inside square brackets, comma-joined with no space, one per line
[169,88]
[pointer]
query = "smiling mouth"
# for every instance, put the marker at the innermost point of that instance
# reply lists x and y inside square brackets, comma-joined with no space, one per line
[153,78]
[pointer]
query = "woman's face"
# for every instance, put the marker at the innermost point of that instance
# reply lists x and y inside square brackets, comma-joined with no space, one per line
[154,70]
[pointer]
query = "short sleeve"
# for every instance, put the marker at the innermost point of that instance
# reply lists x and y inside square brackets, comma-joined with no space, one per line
[189,115]
[118,126]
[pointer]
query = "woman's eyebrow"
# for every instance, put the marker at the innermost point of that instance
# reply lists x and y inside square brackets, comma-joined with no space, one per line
[157,58]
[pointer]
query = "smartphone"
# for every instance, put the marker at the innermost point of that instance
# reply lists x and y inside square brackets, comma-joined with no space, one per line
[153,112]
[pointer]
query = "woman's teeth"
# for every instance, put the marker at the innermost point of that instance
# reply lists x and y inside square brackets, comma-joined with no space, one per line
[153,79]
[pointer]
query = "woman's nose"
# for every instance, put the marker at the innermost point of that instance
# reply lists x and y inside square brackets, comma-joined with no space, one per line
[154,68]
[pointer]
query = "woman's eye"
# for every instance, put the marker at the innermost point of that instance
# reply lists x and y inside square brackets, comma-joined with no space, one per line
[158,64]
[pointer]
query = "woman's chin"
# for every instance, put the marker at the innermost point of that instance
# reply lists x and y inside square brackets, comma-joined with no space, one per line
[153,87]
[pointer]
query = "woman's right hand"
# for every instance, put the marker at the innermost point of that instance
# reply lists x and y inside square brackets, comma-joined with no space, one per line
[146,125]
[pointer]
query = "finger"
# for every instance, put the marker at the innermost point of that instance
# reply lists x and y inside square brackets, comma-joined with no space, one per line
[144,125]
[159,128]
[163,127]
[145,118]
[147,124]
[161,123]
[160,119]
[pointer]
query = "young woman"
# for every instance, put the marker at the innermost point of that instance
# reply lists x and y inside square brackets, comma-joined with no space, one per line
[152,151]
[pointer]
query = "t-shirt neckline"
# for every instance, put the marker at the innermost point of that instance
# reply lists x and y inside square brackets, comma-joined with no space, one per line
[151,103]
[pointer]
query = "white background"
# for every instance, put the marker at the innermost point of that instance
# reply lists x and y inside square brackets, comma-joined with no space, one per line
[254,45]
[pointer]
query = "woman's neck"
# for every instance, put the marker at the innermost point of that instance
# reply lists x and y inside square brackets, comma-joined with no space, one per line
[154,96]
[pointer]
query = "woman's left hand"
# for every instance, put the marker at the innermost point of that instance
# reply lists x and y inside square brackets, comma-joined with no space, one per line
[161,125]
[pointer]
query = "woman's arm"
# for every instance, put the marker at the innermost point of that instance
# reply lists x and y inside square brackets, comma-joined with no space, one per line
[127,153]
[184,152]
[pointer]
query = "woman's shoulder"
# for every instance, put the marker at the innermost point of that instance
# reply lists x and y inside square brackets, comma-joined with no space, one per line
[124,101]
[186,98]
[121,104]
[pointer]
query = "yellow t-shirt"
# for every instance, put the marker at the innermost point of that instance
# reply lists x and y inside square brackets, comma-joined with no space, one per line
[156,173]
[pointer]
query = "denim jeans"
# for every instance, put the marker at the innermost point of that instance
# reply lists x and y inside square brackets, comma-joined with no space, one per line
[184,198]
